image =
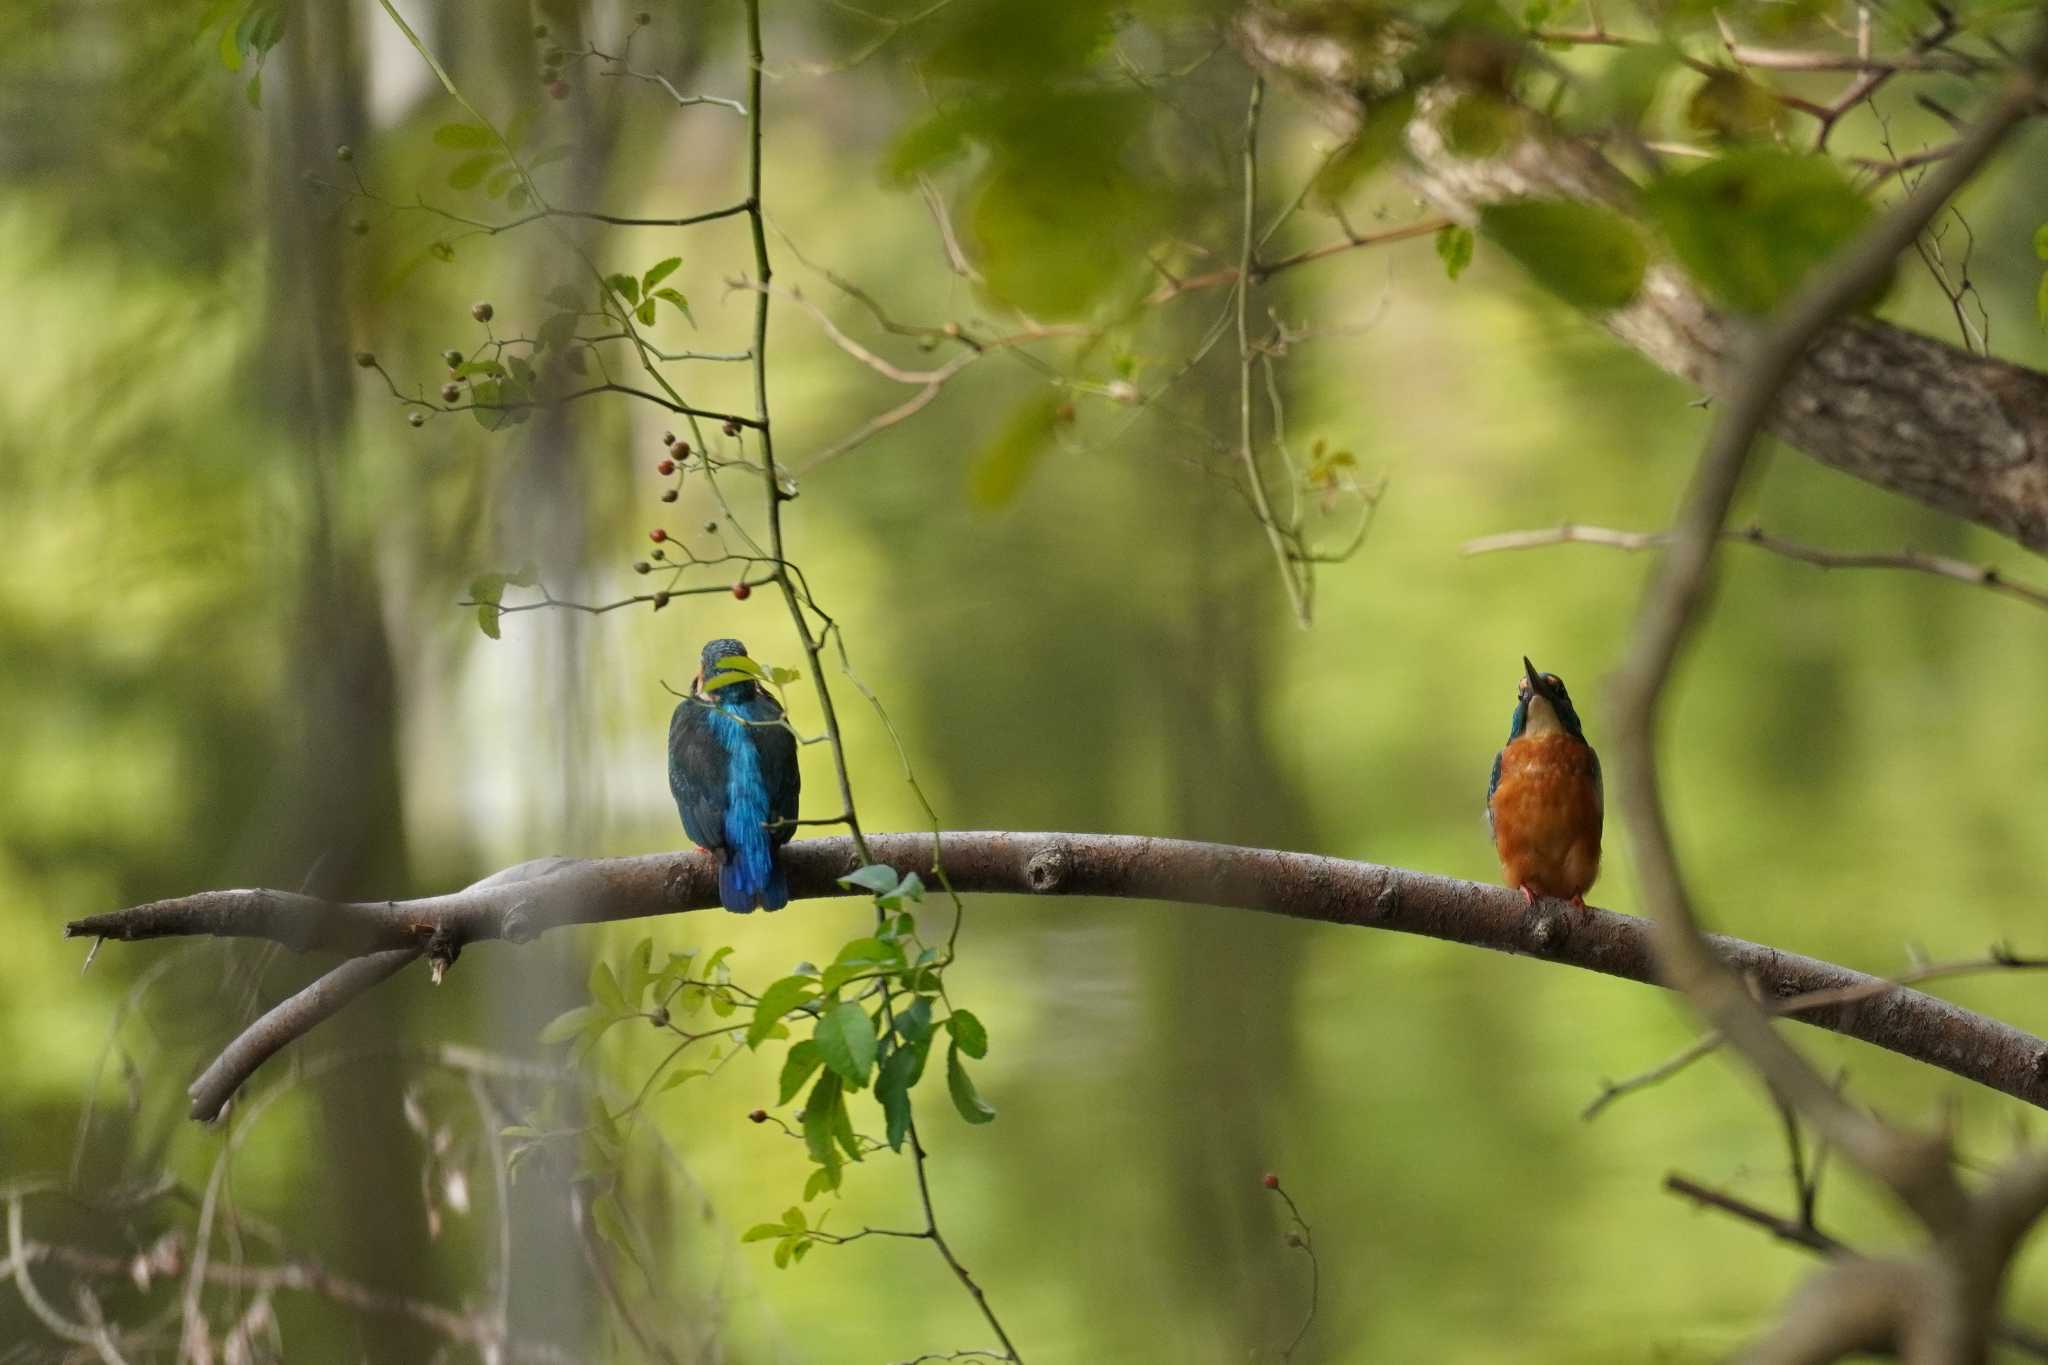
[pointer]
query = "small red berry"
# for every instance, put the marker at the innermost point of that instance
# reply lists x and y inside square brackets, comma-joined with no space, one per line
[1271,1182]
[758,1116]
[558,89]
[668,495]
[665,467]
[344,153]
[732,428]
[660,600]
[710,528]
[657,535]
[365,360]
[450,392]
[668,438]
[418,419]
[480,311]
[642,566]
[742,591]
[453,357]
[660,554]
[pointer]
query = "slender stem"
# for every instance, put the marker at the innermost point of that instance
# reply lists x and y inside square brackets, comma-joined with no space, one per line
[1246,359]
[812,643]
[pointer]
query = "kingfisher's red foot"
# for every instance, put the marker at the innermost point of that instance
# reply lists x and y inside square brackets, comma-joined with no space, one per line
[1528,896]
[1579,901]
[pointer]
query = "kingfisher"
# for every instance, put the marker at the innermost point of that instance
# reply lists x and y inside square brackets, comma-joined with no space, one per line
[1543,803]
[732,769]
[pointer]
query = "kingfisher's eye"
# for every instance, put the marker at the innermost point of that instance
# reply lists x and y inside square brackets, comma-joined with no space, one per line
[1553,680]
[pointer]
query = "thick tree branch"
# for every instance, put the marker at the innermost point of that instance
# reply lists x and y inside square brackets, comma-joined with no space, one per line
[1962,433]
[524,901]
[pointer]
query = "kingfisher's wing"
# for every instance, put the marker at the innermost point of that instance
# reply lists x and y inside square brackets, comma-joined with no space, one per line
[1493,784]
[775,746]
[696,773]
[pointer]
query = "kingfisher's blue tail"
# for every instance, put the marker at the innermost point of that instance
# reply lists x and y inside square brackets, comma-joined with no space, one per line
[775,891]
[741,888]
[736,890]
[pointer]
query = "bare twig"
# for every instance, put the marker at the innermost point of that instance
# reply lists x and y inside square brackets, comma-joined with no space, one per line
[1915,561]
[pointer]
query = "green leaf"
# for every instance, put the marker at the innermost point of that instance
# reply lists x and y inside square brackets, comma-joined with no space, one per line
[566,297]
[823,1179]
[859,958]
[567,1024]
[638,972]
[557,332]
[625,286]
[469,368]
[1732,108]
[659,272]
[968,1033]
[1378,137]
[825,1096]
[911,888]
[501,181]
[487,619]
[1454,248]
[1588,256]
[846,1040]
[464,135]
[1752,224]
[966,1098]
[803,1059]
[604,987]
[679,1075]
[914,1025]
[682,304]
[892,1088]
[645,312]
[471,170]
[1000,470]
[763,1232]
[879,878]
[779,999]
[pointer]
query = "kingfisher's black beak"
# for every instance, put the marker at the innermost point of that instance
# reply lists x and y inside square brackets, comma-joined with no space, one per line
[1536,687]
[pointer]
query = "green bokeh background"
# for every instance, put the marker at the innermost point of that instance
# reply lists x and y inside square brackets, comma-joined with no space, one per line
[203,534]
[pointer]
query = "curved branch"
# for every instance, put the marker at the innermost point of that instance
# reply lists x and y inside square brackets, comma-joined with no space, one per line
[525,901]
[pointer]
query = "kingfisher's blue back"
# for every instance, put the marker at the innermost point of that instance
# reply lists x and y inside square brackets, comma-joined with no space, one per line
[732,768]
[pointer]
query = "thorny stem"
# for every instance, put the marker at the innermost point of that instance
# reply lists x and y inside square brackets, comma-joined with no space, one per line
[1247,357]
[812,643]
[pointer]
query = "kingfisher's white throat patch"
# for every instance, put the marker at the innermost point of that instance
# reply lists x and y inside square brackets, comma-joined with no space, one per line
[1542,718]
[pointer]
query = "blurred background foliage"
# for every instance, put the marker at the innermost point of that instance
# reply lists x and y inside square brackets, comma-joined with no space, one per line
[233,656]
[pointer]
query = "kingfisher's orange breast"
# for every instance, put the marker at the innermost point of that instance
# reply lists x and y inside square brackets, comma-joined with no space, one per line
[1547,814]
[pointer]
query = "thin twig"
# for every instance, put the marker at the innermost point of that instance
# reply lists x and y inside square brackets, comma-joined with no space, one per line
[1977,575]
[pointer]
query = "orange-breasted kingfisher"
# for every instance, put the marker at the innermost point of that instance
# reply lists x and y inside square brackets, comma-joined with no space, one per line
[732,769]
[1544,801]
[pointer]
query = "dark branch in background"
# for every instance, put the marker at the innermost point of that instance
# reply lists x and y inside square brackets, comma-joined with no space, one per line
[525,901]
[1962,433]
[1914,561]
[1940,1308]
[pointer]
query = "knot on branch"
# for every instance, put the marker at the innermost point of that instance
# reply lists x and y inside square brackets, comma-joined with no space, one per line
[517,926]
[1548,928]
[1048,868]
[442,950]
[1389,898]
